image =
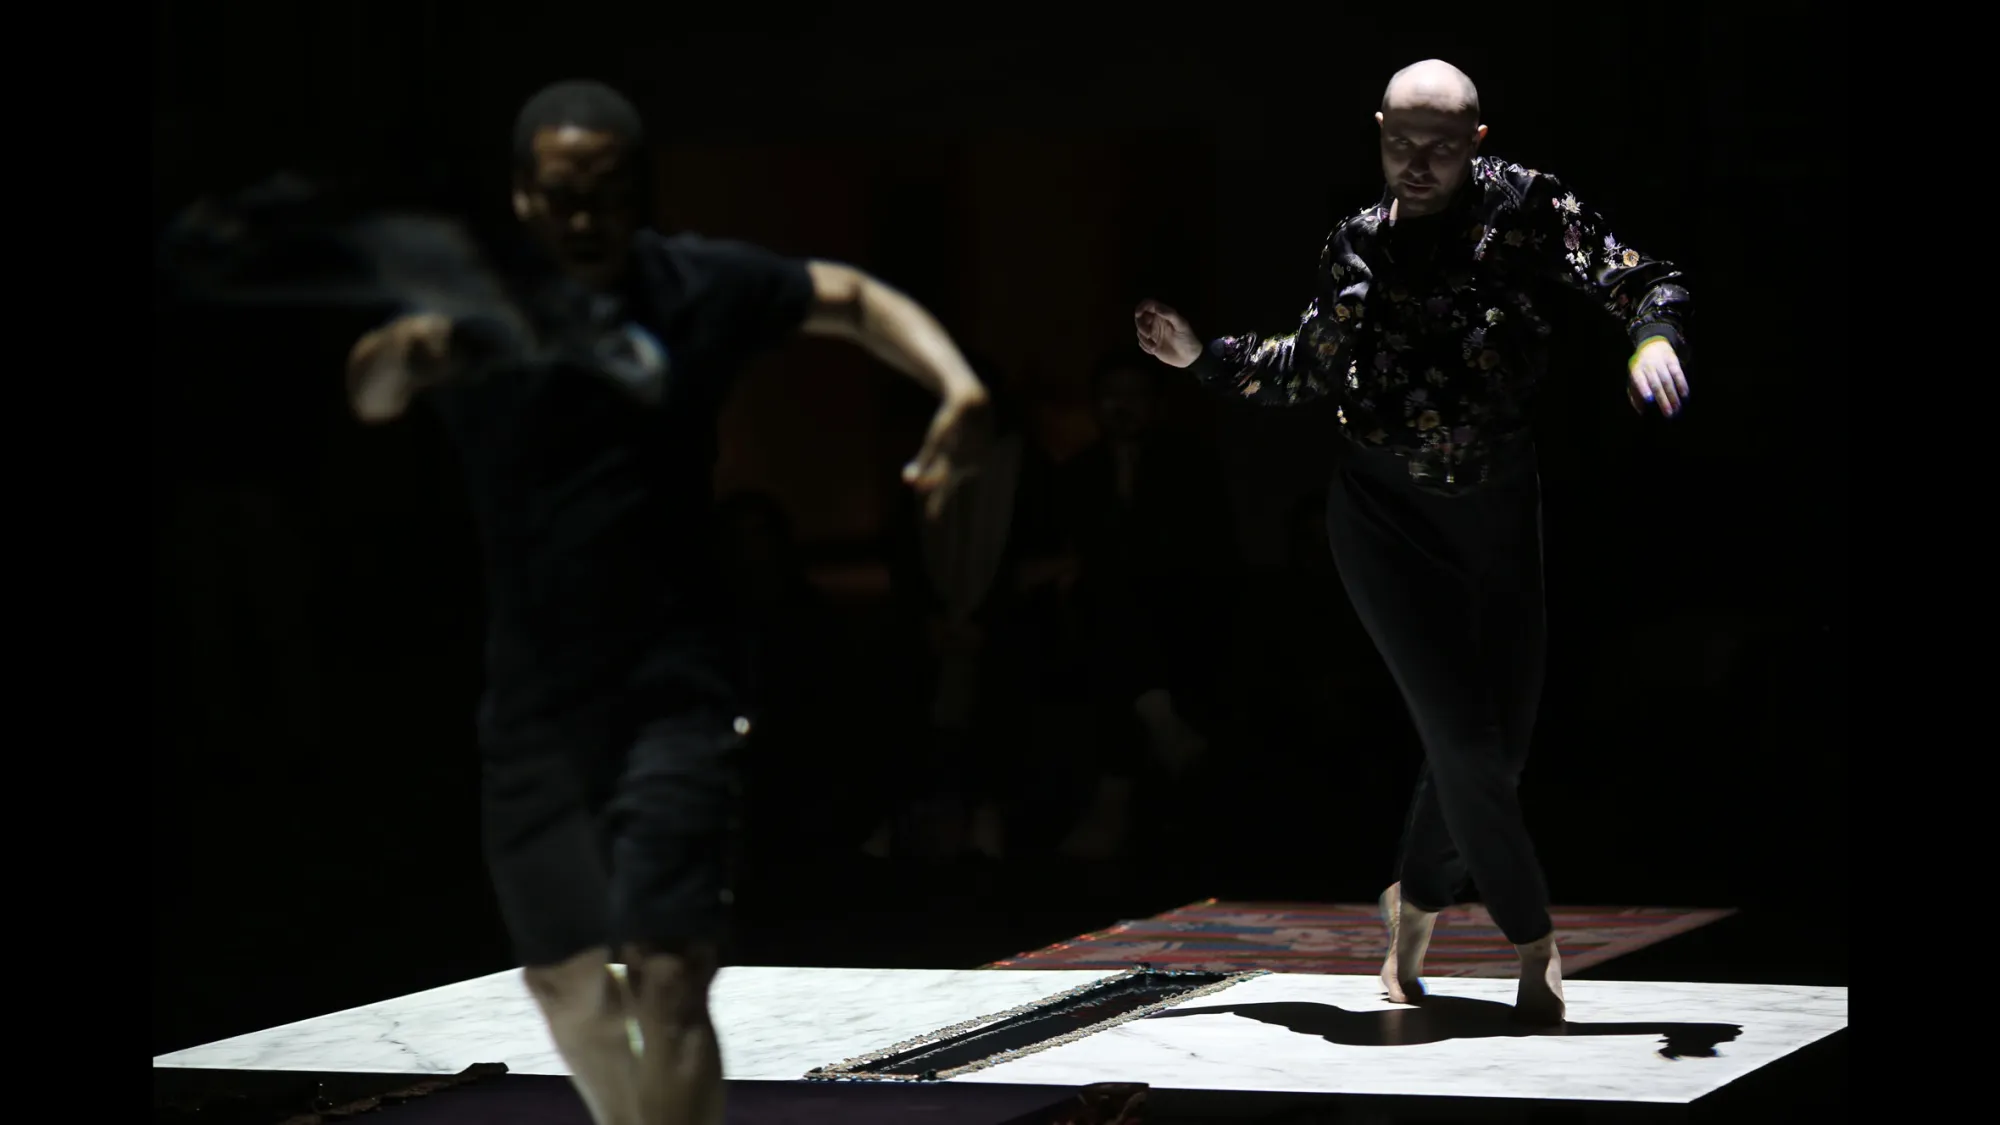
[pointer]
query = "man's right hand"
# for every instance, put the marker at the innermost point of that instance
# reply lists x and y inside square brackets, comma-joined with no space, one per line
[391,364]
[960,436]
[1164,334]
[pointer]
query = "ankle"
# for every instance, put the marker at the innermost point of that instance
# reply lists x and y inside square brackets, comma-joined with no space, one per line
[1540,949]
[1405,906]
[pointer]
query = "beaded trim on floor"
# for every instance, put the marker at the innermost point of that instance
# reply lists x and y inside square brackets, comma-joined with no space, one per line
[843,1071]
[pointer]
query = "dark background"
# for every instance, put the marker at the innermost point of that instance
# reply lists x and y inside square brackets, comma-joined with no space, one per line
[318,617]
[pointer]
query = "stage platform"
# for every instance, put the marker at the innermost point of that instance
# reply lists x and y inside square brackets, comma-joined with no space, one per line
[1253,1042]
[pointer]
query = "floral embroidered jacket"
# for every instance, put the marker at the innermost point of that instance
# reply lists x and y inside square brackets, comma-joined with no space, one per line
[1429,332]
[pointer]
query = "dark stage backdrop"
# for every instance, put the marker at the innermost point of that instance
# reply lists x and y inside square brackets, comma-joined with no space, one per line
[318,616]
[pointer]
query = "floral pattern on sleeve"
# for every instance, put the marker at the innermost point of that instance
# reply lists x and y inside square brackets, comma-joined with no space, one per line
[1576,246]
[1432,338]
[1298,367]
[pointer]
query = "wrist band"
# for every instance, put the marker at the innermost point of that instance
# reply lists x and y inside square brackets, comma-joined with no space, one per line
[1633,363]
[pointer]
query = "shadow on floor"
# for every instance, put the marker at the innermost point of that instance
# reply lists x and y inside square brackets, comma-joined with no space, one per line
[1442,1018]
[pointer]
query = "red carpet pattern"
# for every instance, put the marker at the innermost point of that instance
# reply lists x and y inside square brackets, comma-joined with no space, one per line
[1297,937]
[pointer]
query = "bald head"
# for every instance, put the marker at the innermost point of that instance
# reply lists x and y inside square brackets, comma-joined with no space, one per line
[1430,133]
[1433,85]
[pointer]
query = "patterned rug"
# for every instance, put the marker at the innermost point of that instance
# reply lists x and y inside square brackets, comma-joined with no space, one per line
[1299,937]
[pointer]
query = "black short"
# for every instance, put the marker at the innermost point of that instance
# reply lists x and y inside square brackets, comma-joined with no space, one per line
[620,835]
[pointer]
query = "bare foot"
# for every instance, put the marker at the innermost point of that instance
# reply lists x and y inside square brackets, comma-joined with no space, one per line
[1539,1002]
[1409,939]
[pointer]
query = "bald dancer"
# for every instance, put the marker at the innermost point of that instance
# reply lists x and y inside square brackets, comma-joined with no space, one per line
[1428,331]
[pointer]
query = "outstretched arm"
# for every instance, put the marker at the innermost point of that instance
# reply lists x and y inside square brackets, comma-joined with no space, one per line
[389,367]
[1269,370]
[1575,246]
[291,244]
[848,304]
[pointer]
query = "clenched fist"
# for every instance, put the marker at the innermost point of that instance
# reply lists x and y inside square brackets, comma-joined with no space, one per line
[1164,334]
[388,366]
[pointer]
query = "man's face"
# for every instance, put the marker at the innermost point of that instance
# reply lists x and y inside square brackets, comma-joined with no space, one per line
[1127,404]
[580,201]
[1426,156]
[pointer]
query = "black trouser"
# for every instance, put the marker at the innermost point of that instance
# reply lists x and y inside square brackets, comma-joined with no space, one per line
[1450,588]
[617,831]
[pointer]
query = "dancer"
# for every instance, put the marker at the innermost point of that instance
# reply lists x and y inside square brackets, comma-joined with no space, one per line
[581,379]
[1428,332]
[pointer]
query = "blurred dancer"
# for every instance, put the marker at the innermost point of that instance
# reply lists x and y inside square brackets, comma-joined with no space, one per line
[580,375]
[1428,331]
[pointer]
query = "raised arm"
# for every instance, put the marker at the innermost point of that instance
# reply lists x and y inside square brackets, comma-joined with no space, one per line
[1286,370]
[850,305]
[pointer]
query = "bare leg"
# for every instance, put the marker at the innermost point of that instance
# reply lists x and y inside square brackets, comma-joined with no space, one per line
[1539,1001]
[680,1067]
[1409,939]
[586,1009]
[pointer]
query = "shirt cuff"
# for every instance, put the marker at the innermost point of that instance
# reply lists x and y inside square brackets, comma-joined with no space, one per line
[1661,329]
[1208,367]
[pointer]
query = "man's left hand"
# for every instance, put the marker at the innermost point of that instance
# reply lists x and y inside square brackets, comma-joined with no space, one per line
[1656,377]
[952,451]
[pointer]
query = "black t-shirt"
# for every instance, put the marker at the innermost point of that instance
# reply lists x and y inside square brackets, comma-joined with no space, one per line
[593,493]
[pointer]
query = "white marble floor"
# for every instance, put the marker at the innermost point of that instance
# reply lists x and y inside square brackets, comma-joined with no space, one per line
[774,1023]
[1335,1035]
[1281,1033]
